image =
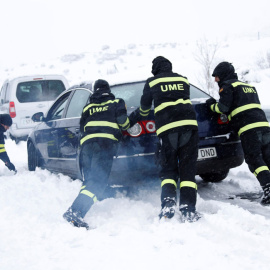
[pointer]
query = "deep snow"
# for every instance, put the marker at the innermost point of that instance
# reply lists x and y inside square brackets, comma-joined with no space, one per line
[126,232]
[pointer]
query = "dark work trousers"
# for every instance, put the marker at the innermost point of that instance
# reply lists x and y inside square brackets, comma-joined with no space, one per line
[256,147]
[179,152]
[97,159]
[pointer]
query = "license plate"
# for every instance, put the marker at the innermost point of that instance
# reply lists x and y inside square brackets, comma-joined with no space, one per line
[27,121]
[207,153]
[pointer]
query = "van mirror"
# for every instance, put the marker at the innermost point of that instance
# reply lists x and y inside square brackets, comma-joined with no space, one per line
[38,117]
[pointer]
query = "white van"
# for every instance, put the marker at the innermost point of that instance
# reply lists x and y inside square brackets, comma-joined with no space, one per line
[21,97]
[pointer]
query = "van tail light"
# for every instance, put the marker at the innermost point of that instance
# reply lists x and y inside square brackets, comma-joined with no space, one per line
[142,127]
[12,111]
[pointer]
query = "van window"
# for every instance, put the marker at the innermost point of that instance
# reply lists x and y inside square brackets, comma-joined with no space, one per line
[37,91]
[4,93]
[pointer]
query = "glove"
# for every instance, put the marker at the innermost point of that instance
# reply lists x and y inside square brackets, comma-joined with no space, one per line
[134,117]
[10,166]
[210,101]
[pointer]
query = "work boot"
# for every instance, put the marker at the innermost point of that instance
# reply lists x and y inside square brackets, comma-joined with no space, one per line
[167,208]
[266,195]
[189,216]
[75,219]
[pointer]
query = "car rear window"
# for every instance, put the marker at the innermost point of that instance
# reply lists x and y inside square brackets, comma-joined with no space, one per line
[131,93]
[37,91]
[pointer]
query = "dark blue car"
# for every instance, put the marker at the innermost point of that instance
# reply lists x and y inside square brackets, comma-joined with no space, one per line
[54,143]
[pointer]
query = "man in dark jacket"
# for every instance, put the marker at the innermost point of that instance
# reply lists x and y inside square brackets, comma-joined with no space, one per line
[101,123]
[240,101]
[177,129]
[5,123]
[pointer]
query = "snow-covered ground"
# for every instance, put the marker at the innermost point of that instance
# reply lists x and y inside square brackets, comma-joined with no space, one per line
[126,232]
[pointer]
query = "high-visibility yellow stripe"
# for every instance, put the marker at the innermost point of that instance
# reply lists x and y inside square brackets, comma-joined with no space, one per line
[145,111]
[168,181]
[89,194]
[83,187]
[177,124]
[215,108]
[171,103]
[2,150]
[240,83]
[260,169]
[168,79]
[126,123]
[101,104]
[2,145]
[101,124]
[98,135]
[244,108]
[254,125]
[188,184]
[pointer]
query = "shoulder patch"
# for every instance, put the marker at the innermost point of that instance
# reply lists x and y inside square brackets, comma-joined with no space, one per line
[220,90]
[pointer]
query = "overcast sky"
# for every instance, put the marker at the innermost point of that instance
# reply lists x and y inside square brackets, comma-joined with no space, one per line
[40,28]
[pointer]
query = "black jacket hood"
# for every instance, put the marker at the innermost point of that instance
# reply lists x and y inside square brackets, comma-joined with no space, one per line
[225,71]
[160,65]
[100,96]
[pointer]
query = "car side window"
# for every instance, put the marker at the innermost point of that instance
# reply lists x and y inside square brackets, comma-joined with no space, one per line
[58,108]
[78,101]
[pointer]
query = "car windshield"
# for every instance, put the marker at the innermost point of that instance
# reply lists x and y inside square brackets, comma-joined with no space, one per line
[36,91]
[132,92]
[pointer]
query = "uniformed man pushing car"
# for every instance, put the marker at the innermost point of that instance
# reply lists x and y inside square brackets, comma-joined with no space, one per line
[101,123]
[240,101]
[177,129]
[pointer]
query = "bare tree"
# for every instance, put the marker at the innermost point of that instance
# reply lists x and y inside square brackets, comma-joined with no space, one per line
[205,56]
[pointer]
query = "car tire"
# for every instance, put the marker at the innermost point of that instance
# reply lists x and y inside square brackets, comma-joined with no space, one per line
[32,157]
[214,176]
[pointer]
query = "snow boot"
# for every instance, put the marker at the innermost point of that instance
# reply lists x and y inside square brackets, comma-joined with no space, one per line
[167,208]
[266,195]
[75,219]
[189,216]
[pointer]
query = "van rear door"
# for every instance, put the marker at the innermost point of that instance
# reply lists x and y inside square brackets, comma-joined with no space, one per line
[35,96]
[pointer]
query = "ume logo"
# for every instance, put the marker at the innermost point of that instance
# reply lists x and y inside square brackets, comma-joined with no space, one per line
[171,87]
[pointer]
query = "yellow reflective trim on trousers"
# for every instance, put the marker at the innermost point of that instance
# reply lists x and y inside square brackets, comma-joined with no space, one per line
[89,194]
[98,135]
[100,104]
[101,124]
[177,124]
[168,79]
[244,108]
[188,184]
[254,125]
[240,83]
[168,181]
[171,103]
[2,145]
[2,150]
[260,169]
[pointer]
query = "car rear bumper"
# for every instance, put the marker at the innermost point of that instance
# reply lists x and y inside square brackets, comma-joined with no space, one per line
[139,167]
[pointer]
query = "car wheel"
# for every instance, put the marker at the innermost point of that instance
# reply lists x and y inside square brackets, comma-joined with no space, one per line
[32,157]
[214,176]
